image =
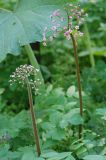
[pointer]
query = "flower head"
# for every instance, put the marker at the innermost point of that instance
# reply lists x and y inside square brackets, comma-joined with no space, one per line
[25,74]
[74,18]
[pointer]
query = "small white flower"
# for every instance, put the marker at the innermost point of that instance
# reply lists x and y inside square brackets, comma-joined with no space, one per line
[22,75]
[44,43]
[76,27]
[82,10]
[70,17]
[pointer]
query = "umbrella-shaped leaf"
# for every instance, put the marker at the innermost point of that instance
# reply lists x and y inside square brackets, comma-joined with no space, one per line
[26,24]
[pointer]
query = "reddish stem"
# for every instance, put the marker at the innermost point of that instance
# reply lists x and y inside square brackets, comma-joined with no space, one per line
[79,82]
[33,119]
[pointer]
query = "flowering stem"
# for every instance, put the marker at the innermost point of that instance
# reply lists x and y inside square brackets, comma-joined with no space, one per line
[79,82]
[34,62]
[33,119]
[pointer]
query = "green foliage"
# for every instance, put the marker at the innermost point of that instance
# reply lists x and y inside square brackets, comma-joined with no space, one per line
[57,109]
[58,118]
[95,157]
[5,154]
[95,51]
[22,26]
[53,131]
[8,4]
[55,55]
[58,156]
[9,96]
[94,82]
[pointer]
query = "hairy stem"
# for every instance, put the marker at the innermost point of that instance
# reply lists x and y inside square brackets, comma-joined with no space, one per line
[79,82]
[33,119]
[34,62]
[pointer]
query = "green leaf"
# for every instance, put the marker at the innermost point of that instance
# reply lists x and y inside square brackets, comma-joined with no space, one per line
[94,157]
[40,158]
[53,132]
[49,155]
[95,51]
[11,126]
[2,90]
[58,156]
[76,119]
[70,91]
[70,158]
[29,155]
[81,151]
[5,154]
[73,117]
[26,24]
[101,111]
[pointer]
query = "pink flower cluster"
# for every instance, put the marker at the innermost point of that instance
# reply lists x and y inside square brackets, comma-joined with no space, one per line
[75,19]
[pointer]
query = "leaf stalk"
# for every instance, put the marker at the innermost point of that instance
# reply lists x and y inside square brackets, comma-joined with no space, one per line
[34,63]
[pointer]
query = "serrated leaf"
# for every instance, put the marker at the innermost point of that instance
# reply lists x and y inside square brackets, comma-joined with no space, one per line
[26,24]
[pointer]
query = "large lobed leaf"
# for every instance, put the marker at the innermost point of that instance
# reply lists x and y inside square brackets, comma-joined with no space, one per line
[26,24]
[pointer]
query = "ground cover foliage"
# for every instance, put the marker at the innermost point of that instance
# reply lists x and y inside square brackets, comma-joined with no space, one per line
[57,108]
